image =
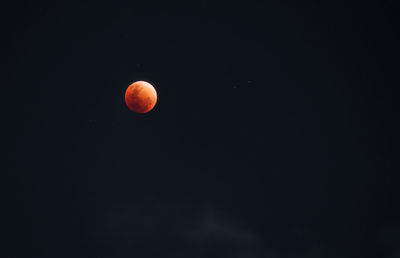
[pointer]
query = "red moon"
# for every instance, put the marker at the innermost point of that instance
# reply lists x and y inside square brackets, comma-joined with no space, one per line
[140,97]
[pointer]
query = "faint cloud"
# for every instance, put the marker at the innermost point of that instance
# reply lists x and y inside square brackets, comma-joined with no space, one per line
[213,226]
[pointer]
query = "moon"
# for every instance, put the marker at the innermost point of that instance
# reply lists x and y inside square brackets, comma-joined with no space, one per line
[141,97]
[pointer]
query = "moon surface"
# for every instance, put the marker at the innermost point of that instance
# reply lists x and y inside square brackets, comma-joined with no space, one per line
[141,97]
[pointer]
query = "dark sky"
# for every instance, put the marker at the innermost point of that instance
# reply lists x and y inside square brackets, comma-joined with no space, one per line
[275,134]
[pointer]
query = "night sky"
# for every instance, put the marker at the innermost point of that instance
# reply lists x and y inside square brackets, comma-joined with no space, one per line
[275,134]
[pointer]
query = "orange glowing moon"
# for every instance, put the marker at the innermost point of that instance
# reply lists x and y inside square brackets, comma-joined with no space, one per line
[140,97]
